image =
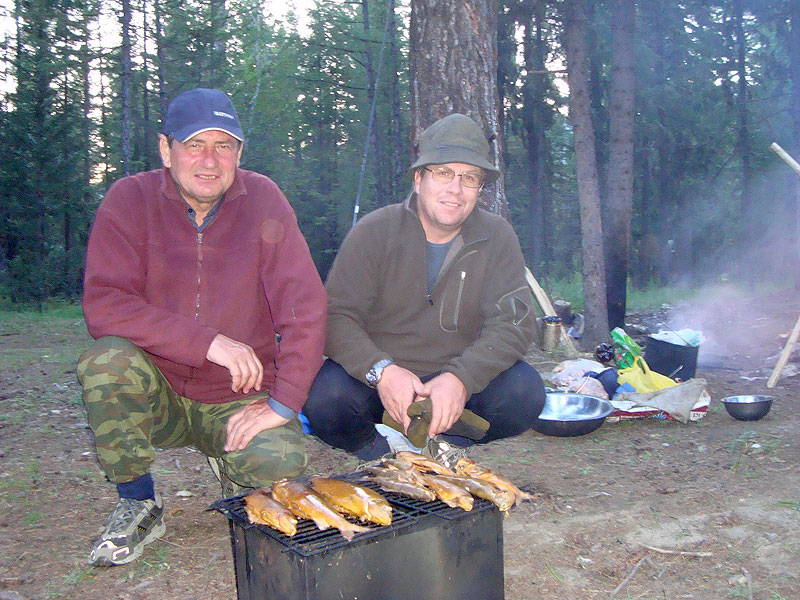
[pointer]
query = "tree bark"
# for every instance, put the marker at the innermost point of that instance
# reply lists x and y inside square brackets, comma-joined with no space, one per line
[617,224]
[749,216]
[794,102]
[536,120]
[395,128]
[453,68]
[594,280]
[147,143]
[125,91]
[162,88]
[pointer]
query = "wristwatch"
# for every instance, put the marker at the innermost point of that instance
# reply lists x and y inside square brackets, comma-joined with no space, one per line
[373,376]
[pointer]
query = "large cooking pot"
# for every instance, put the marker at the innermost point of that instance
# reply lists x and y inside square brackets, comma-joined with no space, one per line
[567,414]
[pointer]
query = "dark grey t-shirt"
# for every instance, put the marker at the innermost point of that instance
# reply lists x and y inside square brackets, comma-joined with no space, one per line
[435,256]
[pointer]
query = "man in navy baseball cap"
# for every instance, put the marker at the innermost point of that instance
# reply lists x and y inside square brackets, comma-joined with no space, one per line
[192,273]
[198,110]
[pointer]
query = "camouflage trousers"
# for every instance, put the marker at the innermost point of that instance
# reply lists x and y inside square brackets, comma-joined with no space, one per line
[133,410]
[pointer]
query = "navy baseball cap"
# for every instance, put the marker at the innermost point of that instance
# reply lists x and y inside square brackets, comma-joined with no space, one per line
[201,109]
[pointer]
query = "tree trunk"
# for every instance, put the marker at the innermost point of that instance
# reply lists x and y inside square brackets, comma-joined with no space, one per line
[86,131]
[594,284]
[147,131]
[162,89]
[374,141]
[794,102]
[749,216]
[125,91]
[617,224]
[536,120]
[217,58]
[453,68]
[395,128]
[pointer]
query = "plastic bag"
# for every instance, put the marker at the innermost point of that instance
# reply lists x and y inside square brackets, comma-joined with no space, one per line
[625,349]
[642,378]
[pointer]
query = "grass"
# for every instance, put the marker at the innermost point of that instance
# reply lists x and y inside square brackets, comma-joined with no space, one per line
[794,505]
[640,299]
[750,442]
[571,290]
[554,574]
[54,310]
[70,581]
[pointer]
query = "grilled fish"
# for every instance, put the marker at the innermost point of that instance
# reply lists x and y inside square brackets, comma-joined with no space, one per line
[406,469]
[355,500]
[450,493]
[424,463]
[307,504]
[262,509]
[470,468]
[400,483]
[502,499]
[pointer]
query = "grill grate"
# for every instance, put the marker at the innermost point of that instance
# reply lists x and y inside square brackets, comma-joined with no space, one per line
[309,541]
[437,507]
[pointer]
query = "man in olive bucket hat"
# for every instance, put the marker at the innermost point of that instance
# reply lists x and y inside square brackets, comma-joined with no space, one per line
[429,315]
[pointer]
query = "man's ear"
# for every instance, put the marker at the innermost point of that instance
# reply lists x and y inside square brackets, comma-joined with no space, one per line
[163,148]
[417,177]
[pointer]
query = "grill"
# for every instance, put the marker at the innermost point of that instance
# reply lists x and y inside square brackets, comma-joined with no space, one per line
[430,550]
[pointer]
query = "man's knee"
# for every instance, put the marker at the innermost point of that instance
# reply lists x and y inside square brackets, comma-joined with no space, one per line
[271,455]
[330,386]
[107,354]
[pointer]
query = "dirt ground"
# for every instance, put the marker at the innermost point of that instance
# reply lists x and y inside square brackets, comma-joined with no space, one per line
[650,509]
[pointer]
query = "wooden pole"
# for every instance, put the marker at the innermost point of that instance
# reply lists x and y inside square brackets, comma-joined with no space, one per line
[785,156]
[790,343]
[784,358]
[549,311]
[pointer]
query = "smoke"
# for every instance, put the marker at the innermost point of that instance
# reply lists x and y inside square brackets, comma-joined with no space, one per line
[739,326]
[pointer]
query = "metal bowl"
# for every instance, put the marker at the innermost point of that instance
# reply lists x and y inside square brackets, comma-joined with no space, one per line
[567,414]
[747,408]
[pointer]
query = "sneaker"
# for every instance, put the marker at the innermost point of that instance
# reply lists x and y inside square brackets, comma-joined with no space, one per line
[444,452]
[397,441]
[229,487]
[128,529]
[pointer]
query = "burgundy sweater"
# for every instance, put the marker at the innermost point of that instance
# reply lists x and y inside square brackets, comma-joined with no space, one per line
[152,278]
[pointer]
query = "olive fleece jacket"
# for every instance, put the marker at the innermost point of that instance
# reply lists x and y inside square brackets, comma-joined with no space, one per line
[152,278]
[476,323]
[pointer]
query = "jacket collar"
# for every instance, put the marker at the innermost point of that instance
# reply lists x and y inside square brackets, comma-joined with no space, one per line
[473,230]
[170,190]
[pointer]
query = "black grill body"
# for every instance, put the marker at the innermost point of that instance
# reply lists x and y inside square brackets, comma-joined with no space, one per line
[430,551]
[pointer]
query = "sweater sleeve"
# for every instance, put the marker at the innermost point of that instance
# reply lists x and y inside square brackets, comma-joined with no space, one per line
[354,285]
[114,300]
[508,318]
[297,303]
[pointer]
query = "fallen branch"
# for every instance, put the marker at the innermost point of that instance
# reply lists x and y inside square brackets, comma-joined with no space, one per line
[677,552]
[625,581]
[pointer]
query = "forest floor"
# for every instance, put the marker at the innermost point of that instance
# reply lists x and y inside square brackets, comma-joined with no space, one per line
[704,511]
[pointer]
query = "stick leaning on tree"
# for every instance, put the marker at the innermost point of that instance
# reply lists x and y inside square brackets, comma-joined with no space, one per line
[787,349]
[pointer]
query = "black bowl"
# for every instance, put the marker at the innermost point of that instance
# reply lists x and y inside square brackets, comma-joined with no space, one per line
[567,414]
[747,408]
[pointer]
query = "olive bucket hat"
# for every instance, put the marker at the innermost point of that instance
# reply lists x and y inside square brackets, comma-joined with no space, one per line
[455,139]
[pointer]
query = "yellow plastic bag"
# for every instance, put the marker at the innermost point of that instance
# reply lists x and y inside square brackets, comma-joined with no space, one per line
[642,378]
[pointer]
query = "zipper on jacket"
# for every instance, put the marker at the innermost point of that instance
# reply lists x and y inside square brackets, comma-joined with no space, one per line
[458,297]
[199,273]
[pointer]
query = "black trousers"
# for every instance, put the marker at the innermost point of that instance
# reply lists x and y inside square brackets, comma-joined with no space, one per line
[343,412]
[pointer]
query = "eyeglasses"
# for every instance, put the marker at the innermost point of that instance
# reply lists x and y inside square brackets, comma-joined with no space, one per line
[469,179]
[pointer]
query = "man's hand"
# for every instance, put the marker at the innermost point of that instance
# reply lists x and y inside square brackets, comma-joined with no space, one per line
[398,387]
[240,359]
[448,397]
[254,418]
